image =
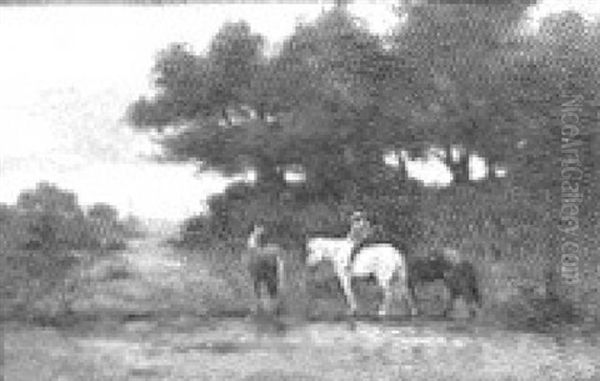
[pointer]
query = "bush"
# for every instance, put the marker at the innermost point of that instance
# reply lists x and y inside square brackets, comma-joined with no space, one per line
[30,275]
[41,238]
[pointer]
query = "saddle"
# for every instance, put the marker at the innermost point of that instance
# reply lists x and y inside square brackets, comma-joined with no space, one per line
[362,236]
[356,249]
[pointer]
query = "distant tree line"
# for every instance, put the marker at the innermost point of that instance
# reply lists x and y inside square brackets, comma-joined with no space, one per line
[47,232]
[48,218]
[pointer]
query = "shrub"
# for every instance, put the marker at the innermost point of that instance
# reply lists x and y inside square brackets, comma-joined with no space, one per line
[41,237]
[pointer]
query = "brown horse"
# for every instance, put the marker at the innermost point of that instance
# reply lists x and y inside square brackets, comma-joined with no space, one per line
[265,265]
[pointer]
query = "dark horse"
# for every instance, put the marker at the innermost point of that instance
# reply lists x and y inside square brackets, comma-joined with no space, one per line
[459,278]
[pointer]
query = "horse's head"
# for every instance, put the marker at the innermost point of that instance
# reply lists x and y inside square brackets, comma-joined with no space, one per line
[255,235]
[451,255]
[257,229]
[314,251]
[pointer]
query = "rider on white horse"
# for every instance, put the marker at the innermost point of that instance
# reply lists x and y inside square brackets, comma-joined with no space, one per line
[379,259]
[360,230]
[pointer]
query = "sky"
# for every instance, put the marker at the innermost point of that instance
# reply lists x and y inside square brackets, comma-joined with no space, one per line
[67,74]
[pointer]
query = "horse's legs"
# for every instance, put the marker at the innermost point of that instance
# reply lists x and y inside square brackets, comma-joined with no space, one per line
[274,290]
[411,301]
[272,286]
[475,304]
[450,302]
[410,295]
[473,310]
[257,287]
[346,283]
[258,294]
[387,296]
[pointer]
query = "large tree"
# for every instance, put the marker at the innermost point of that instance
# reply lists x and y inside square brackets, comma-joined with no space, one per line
[313,105]
[556,87]
[456,53]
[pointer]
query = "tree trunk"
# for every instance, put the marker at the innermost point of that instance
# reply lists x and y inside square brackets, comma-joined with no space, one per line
[261,113]
[269,177]
[402,171]
[491,173]
[225,116]
[460,169]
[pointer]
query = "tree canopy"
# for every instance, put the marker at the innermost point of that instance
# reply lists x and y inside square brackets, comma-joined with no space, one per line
[336,98]
[233,108]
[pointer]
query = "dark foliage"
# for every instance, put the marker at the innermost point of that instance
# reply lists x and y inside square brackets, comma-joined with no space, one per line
[335,98]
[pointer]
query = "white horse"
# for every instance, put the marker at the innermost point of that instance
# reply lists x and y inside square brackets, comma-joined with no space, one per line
[381,260]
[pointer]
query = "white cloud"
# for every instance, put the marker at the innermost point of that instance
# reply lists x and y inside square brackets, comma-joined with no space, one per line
[146,189]
[590,9]
[70,74]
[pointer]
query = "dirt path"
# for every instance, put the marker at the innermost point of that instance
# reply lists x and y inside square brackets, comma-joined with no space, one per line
[147,277]
[155,262]
[152,256]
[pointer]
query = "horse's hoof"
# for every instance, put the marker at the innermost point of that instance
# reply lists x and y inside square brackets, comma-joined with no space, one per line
[413,312]
[352,324]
